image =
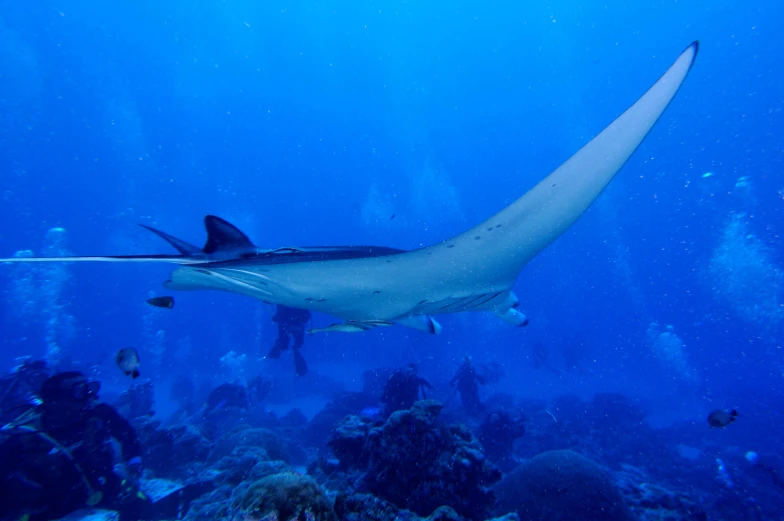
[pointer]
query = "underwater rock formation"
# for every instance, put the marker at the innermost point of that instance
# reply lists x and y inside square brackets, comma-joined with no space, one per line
[246,463]
[651,502]
[212,506]
[235,472]
[174,452]
[286,496]
[610,428]
[317,433]
[561,485]
[367,507]
[348,441]
[418,463]
[266,439]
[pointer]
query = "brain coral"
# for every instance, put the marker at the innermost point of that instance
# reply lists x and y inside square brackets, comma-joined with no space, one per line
[285,496]
[561,485]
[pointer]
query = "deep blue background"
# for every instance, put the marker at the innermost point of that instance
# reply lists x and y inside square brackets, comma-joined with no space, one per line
[314,122]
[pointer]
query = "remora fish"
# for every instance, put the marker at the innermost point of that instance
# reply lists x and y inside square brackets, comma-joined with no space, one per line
[368,287]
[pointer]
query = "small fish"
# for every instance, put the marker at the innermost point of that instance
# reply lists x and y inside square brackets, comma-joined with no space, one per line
[722,418]
[393,216]
[162,302]
[128,362]
[708,175]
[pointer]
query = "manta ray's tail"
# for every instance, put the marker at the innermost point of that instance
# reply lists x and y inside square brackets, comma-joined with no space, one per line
[222,237]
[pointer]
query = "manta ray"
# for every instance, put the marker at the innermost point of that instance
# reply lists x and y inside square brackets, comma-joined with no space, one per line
[372,286]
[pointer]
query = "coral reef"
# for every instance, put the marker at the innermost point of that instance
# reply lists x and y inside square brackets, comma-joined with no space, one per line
[366,507]
[418,463]
[651,502]
[348,441]
[175,452]
[286,496]
[246,463]
[561,486]
[593,429]
[318,431]
[232,473]
[275,447]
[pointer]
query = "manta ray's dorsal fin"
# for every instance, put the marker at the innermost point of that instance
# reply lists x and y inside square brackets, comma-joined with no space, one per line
[181,246]
[222,236]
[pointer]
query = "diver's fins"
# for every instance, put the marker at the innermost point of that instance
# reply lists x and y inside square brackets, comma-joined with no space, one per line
[275,351]
[300,365]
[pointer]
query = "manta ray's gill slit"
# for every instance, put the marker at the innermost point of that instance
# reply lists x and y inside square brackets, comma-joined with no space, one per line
[240,283]
[251,274]
[454,304]
[466,305]
[485,301]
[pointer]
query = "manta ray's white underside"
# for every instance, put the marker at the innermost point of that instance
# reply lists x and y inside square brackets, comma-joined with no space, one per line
[474,271]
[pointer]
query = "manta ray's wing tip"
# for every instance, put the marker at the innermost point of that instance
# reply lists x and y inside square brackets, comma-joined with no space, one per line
[694,49]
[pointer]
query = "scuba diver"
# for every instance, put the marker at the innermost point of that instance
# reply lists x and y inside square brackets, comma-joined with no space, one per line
[402,389]
[467,381]
[21,387]
[57,457]
[291,328]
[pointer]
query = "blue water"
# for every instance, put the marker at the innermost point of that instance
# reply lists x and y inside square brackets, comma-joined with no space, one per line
[315,122]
